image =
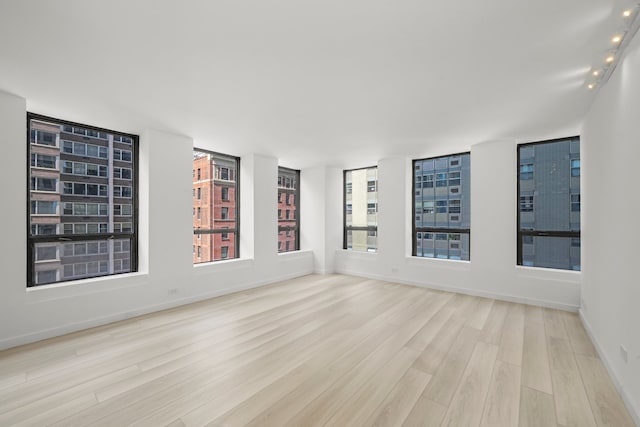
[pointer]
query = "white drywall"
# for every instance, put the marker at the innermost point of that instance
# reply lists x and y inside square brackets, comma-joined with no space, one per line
[492,271]
[611,240]
[167,276]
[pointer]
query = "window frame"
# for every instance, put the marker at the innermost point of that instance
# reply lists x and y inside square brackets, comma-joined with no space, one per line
[345,227]
[435,230]
[33,240]
[226,230]
[296,214]
[520,233]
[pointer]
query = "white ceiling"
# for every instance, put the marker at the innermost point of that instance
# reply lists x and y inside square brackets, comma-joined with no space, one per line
[343,82]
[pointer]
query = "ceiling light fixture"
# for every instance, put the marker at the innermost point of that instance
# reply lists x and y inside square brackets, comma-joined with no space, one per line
[599,75]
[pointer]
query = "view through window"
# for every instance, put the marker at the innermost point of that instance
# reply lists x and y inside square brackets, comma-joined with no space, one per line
[549,204]
[361,209]
[288,212]
[442,211]
[215,206]
[83,205]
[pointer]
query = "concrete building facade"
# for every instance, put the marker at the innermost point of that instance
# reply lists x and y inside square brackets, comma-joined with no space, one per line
[549,203]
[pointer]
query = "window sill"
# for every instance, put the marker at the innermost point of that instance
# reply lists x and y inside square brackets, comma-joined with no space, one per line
[222,265]
[541,271]
[91,285]
[300,253]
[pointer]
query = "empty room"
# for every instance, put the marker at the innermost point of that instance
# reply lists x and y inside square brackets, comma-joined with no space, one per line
[400,213]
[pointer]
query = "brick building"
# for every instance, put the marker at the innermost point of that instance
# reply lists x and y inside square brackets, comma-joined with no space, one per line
[214,207]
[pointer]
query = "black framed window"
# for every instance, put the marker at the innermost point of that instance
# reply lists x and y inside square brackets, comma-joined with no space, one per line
[361,209]
[216,201]
[75,230]
[442,207]
[549,204]
[288,209]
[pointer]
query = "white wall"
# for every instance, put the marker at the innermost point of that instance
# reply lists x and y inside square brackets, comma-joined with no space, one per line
[167,276]
[492,271]
[321,213]
[611,240]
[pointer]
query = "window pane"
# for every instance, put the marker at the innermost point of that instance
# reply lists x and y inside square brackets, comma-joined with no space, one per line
[287,240]
[288,196]
[362,240]
[80,260]
[360,199]
[361,208]
[215,206]
[70,207]
[549,201]
[551,252]
[442,199]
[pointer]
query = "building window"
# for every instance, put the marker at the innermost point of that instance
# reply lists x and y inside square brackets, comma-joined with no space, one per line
[575,167]
[85,150]
[289,201]
[549,229]
[45,161]
[123,155]
[44,184]
[575,203]
[65,217]
[43,137]
[361,209]
[122,173]
[442,211]
[121,191]
[526,171]
[217,224]
[526,203]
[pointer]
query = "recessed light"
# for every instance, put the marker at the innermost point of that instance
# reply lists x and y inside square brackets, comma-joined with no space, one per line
[591,86]
[609,59]
[596,73]
[626,13]
[616,39]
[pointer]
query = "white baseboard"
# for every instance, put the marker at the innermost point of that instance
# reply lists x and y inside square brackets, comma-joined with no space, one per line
[467,291]
[634,411]
[99,321]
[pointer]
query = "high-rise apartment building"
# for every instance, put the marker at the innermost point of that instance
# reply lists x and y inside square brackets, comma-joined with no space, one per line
[214,207]
[549,204]
[442,203]
[81,184]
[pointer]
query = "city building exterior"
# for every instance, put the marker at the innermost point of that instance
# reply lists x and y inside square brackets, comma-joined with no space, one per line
[442,207]
[288,215]
[215,207]
[82,202]
[361,209]
[549,204]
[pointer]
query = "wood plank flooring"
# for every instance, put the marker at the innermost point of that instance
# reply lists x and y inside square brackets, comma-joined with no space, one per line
[318,350]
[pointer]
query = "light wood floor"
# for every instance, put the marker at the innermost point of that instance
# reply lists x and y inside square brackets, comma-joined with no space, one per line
[318,350]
